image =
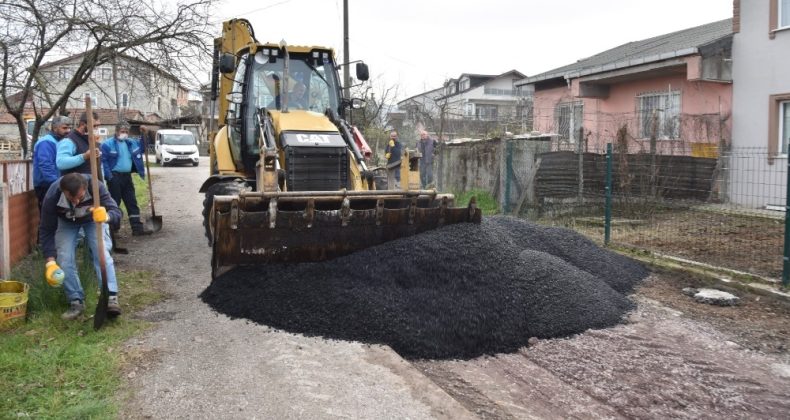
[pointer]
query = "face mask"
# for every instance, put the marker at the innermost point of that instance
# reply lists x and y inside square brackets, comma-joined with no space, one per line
[122,136]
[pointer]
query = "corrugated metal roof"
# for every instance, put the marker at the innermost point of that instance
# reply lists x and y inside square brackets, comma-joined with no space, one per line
[675,44]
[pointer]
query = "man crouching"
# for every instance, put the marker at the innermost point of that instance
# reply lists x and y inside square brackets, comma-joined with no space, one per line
[67,209]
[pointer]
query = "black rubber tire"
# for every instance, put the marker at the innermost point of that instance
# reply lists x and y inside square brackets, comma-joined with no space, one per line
[233,187]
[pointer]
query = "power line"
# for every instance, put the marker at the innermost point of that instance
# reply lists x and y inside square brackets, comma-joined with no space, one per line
[249,12]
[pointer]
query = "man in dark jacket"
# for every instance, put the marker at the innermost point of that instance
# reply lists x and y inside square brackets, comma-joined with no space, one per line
[426,146]
[74,150]
[45,170]
[67,209]
[393,154]
[121,156]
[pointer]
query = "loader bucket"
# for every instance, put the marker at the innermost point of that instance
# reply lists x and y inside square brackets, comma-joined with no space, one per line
[254,227]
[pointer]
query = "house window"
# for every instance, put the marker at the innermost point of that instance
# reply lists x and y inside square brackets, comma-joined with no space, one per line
[784,14]
[125,100]
[65,73]
[159,104]
[569,119]
[486,112]
[106,73]
[665,108]
[469,109]
[464,84]
[784,126]
[94,99]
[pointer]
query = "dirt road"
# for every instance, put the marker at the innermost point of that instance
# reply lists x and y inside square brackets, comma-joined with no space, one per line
[664,362]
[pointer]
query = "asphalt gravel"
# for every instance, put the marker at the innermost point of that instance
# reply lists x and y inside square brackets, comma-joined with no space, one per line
[457,292]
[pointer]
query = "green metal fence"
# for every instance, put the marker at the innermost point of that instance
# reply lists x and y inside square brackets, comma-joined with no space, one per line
[725,211]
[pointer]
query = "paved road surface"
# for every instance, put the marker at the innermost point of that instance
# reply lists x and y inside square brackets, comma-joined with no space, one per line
[204,365]
[662,363]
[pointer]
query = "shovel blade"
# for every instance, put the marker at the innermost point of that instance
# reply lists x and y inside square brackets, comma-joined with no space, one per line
[153,223]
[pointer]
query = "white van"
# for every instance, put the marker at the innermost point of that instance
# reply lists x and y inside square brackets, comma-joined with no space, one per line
[176,146]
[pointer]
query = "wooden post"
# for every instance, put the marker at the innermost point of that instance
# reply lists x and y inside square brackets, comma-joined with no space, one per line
[580,152]
[653,151]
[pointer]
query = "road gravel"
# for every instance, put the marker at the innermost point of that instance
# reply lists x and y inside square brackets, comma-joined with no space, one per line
[460,291]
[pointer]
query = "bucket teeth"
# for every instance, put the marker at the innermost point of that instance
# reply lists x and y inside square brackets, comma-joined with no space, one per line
[289,228]
[272,213]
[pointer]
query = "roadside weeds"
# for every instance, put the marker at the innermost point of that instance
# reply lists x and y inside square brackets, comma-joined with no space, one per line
[53,368]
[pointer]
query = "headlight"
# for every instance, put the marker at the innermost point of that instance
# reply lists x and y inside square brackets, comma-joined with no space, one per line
[168,150]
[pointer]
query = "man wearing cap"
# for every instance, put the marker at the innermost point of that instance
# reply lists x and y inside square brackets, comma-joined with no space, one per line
[120,157]
[393,154]
[66,212]
[45,170]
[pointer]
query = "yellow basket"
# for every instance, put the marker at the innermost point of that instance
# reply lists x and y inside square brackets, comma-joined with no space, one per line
[13,304]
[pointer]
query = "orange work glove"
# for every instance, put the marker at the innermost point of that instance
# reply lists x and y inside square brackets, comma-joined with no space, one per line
[100,215]
[54,274]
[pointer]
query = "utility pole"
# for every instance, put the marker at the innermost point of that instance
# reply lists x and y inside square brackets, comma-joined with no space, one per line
[346,69]
[117,93]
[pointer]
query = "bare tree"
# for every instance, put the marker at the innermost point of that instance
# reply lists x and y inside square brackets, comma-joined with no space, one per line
[371,119]
[379,99]
[34,32]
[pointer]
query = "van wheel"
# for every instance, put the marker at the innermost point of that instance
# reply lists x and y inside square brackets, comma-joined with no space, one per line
[233,187]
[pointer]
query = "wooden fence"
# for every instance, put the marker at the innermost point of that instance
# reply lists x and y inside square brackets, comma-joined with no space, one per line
[638,175]
[18,213]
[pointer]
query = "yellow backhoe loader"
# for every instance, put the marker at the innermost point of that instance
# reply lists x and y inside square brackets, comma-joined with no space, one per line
[288,182]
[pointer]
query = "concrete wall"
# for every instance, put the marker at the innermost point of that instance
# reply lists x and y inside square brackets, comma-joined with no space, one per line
[761,67]
[503,167]
[467,166]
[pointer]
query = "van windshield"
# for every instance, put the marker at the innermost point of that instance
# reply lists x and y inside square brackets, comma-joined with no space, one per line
[178,139]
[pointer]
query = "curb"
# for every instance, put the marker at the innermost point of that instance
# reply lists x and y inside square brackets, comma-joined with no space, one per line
[725,277]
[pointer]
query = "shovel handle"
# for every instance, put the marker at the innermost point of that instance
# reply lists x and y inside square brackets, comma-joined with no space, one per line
[101,307]
[148,175]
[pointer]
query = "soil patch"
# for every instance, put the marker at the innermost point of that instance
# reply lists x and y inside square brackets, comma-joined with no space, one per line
[458,292]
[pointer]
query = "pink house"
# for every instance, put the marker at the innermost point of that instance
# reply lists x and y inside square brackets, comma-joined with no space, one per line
[676,87]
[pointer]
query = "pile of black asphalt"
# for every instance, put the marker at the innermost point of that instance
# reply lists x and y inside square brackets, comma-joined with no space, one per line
[457,292]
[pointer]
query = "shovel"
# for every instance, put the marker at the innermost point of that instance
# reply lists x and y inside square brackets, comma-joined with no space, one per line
[101,307]
[153,223]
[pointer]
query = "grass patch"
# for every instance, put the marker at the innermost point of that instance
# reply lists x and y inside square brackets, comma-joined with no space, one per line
[57,369]
[140,193]
[485,201]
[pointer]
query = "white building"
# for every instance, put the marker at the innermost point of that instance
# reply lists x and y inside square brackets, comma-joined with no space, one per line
[483,97]
[471,103]
[761,102]
[131,83]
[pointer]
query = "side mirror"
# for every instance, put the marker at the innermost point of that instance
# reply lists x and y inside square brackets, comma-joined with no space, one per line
[362,72]
[357,103]
[227,63]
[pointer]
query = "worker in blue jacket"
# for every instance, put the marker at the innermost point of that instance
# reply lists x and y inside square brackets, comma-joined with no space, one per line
[122,156]
[74,150]
[45,170]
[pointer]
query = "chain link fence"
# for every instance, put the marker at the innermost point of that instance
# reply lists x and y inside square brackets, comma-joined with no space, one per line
[726,211]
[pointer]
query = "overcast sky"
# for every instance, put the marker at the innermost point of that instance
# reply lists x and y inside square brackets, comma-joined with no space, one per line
[417,44]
